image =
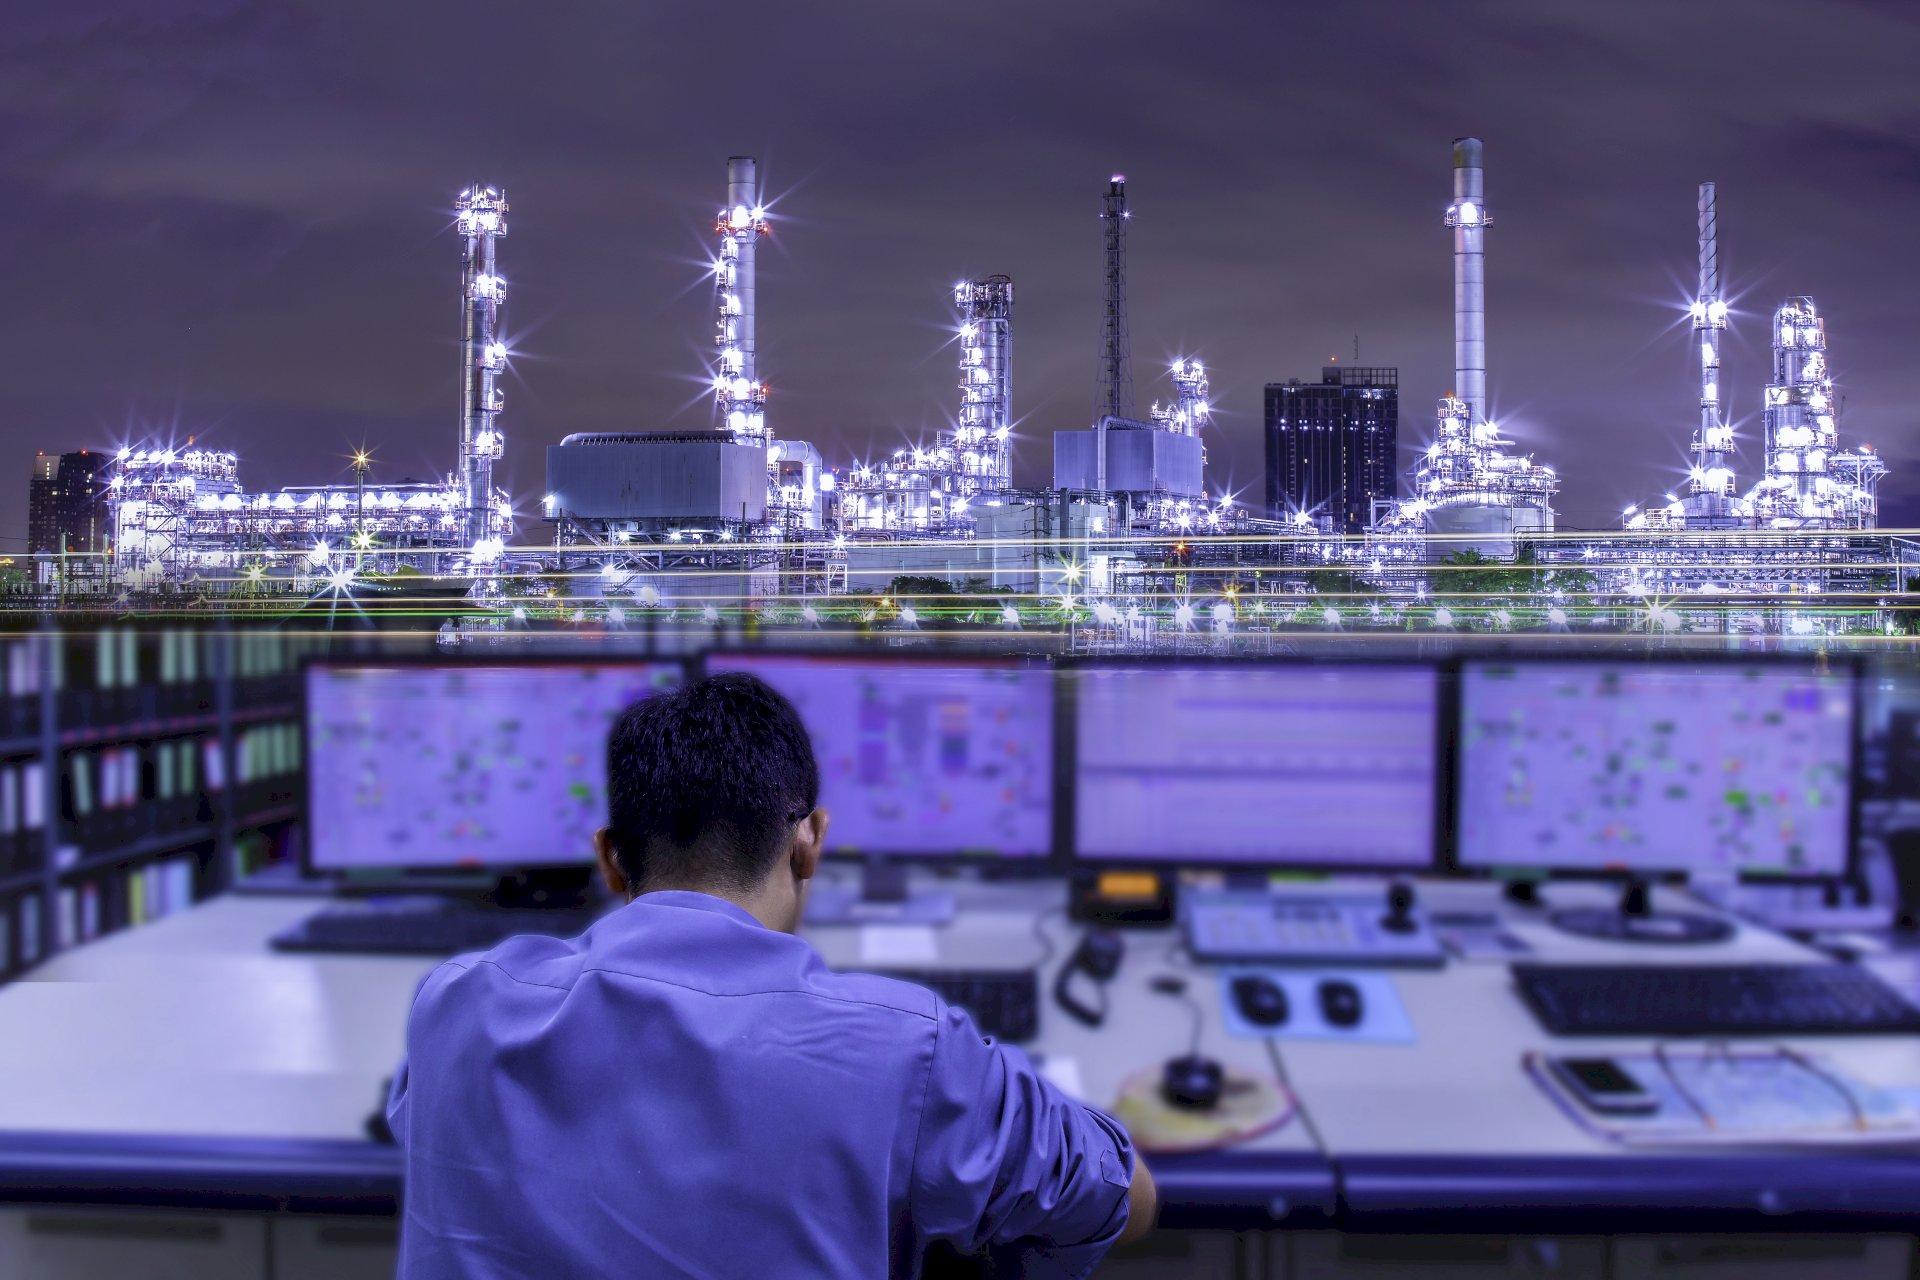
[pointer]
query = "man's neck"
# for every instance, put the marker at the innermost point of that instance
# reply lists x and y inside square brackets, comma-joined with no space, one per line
[759,904]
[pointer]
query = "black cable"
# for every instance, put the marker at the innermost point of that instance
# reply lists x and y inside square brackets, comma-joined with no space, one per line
[1087,1015]
[1048,949]
[1293,1094]
[1173,984]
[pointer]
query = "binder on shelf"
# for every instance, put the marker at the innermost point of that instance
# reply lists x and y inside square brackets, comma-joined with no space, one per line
[33,798]
[33,795]
[216,772]
[80,785]
[87,926]
[66,915]
[27,914]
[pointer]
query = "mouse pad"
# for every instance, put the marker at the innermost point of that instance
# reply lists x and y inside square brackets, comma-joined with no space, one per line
[1383,1019]
[1250,1105]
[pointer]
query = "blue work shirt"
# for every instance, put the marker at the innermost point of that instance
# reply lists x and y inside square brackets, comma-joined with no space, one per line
[681,1091]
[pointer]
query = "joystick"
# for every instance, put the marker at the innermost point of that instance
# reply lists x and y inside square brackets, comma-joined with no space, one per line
[1399,917]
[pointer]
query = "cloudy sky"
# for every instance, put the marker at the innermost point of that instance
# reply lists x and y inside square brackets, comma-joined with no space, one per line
[230,220]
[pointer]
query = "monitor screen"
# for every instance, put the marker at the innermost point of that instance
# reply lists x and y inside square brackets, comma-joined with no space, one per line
[463,765]
[1611,766]
[923,758]
[1266,765]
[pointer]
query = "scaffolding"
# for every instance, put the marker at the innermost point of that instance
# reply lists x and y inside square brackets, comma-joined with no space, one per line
[932,488]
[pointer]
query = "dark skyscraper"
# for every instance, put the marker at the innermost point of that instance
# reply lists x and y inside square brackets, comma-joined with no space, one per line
[66,506]
[1331,445]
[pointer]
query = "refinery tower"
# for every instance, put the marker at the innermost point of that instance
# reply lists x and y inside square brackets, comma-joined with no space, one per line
[1468,488]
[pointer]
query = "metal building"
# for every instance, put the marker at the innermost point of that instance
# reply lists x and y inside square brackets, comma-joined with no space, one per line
[1331,446]
[66,503]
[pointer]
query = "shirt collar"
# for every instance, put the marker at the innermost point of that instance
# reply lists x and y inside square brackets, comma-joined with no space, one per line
[698,902]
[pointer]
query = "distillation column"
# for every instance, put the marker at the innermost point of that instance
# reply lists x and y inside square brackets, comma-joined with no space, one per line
[1116,377]
[736,379]
[986,379]
[1467,216]
[1711,482]
[482,220]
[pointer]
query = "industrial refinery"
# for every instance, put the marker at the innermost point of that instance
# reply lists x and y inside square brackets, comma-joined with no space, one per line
[740,517]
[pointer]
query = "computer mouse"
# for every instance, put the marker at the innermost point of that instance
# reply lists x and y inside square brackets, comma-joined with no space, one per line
[1192,1083]
[1340,1002]
[1260,999]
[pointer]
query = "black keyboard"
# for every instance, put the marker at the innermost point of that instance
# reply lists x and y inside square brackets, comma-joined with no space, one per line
[1713,1000]
[413,929]
[1005,1002]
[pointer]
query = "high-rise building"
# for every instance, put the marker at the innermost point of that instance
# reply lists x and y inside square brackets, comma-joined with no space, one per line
[1331,445]
[66,502]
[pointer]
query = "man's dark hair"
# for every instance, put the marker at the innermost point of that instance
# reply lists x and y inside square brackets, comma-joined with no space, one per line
[704,783]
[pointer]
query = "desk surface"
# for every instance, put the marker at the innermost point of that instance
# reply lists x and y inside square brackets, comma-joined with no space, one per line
[186,1055]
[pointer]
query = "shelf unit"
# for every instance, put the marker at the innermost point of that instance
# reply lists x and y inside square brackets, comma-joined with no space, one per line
[143,769]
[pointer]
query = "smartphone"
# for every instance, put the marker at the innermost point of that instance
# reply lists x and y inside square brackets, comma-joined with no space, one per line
[1604,1086]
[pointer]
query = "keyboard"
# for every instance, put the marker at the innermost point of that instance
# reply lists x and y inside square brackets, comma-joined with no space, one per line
[1005,1002]
[1257,927]
[409,927]
[1713,1000]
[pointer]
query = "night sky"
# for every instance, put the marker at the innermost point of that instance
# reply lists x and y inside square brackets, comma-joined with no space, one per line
[232,221]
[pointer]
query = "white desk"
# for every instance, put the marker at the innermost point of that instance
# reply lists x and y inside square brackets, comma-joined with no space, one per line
[188,1040]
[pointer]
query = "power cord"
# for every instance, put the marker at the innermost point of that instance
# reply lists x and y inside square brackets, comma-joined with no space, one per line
[1299,1104]
[1048,948]
[1175,985]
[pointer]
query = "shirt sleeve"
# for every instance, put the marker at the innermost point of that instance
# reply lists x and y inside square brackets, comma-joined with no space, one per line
[1004,1157]
[397,1103]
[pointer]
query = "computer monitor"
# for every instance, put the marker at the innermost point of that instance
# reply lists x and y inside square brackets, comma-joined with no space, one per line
[463,765]
[923,758]
[1656,768]
[1257,765]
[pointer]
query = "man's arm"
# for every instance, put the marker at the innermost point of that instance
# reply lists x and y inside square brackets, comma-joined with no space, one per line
[1004,1157]
[1143,1202]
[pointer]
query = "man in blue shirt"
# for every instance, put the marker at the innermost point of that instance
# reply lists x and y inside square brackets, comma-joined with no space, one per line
[687,1090]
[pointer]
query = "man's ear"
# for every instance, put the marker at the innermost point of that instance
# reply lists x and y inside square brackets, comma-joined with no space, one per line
[809,842]
[611,873]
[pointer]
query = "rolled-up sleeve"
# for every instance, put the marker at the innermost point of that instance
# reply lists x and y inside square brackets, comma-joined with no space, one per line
[1004,1157]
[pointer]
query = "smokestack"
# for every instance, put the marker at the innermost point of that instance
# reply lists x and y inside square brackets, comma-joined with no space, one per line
[1712,481]
[743,192]
[1467,216]
[1116,377]
[481,215]
[737,386]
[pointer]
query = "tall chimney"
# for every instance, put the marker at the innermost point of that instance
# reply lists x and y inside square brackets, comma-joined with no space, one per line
[1467,215]
[737,385]
[1116,377]
[1712,480]
[482,219]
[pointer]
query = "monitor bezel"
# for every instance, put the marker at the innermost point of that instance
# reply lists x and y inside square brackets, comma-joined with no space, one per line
[1433,864]
[1846,665]
[1035,866]
[433,875]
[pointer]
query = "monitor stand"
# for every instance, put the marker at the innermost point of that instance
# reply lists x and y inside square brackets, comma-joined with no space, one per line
[1635,920]
[884,896]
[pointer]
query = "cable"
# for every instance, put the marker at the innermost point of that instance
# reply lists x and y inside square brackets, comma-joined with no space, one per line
[1293,1094]
[1175,985]
[1048,948]
[1836,1083]
[1091,1015]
